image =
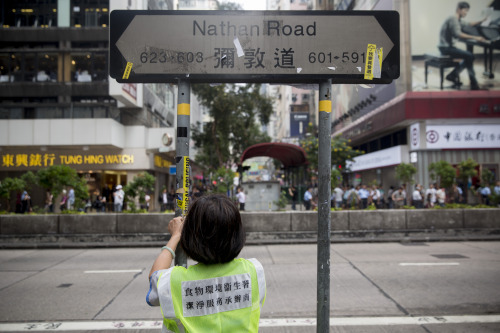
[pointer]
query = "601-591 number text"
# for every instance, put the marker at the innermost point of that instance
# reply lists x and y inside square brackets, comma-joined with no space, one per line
[322,57]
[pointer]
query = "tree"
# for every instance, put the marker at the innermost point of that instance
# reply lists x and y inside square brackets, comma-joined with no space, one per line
[223,180]
[466,170]
[340,154]
[9,185]
[443,173]
[487,177]
[336,177]
[405,173]
[57,177]
[137,188]
[233,127]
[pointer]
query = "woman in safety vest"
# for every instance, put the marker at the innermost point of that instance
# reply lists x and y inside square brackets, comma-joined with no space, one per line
[220,293]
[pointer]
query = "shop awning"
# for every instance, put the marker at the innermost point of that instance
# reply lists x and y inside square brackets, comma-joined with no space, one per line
[288,154]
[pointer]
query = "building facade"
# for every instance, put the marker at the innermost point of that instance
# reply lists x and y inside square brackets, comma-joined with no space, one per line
[58,105]
[414,120]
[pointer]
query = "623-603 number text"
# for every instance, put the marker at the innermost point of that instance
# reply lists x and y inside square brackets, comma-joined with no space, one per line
[322,57]
[177,57]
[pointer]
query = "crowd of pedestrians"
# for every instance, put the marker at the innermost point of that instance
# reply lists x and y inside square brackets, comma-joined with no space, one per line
[363,196]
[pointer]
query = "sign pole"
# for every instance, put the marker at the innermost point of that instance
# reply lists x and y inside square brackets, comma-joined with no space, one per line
[324,192]
[182,175]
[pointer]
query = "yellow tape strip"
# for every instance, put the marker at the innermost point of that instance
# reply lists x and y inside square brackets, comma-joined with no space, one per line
[185,185]
[325,106]
[370,52]
[128,69]
[183,109]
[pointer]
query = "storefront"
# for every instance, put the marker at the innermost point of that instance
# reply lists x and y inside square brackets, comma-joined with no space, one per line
[103,169]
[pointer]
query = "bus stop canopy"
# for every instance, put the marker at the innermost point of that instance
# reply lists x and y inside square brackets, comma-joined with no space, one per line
[288,154]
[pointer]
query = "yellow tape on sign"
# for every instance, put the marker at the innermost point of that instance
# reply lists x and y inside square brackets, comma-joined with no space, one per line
[128,69]
[370,57]
[183,109]
[185,185]
[325,106]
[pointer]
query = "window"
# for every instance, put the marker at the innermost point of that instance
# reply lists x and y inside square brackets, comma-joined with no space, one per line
[89,66]
[28,13]
[28,66]
[90,13]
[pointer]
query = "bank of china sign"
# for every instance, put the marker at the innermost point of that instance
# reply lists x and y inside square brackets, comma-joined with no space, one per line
[463,137]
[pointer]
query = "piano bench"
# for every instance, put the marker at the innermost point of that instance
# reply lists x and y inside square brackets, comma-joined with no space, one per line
[442,62]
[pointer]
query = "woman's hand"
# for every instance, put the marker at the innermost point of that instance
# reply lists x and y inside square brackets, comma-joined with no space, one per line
[175,226]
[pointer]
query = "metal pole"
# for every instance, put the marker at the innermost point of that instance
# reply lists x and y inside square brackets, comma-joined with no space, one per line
[324,228]
[182,174]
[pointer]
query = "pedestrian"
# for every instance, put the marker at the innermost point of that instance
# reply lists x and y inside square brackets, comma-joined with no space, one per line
[441,196]
[292,191]
[62,203]
[221,293]
[389,197]
[485,194]
[71,198]
[147,199]
[363,194]
[398,198]
[119,195]
[25,202]
[339,193]
[430,195]
[241,198]
[49,205]
[308,198]
[375,196]
[163,200]
[416,197]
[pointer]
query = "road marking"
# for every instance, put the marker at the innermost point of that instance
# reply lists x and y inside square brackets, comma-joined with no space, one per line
[429,264]
[271,322]
[114,271]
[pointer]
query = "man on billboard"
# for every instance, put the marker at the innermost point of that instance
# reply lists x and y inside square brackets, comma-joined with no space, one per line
[451,30]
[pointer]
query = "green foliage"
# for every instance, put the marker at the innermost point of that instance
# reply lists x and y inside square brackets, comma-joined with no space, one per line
[487,177]
[137,188]
[443,173]
[371,207]
[467,169]
[58,177]
[336,177]
[282,201]
[405,173]
[9,185]
[341,151]
[224,180]
[233,110]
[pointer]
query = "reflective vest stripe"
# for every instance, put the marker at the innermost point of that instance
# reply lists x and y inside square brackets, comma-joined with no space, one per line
[261,279]
[165,294]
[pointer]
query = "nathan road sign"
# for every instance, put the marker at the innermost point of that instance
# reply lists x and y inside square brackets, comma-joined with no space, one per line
[254,46]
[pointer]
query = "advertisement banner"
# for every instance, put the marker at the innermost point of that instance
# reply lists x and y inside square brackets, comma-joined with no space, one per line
[463,136]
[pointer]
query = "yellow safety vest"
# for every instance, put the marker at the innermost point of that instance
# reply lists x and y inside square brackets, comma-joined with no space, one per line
[213,298]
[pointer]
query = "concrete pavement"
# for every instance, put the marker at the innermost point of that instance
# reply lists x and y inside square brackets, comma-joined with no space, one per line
[378,281]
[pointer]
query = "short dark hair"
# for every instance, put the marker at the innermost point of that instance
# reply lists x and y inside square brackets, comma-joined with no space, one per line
[463,4]
[213,232]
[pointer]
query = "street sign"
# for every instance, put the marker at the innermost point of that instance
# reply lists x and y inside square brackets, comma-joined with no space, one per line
[254,46]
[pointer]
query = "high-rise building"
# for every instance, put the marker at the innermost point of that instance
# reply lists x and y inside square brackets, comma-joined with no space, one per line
[58,105]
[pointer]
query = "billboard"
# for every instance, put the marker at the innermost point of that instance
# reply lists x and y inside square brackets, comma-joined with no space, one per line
[427,19]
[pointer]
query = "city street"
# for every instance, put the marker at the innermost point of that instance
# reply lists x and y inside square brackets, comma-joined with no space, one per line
[384,287]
